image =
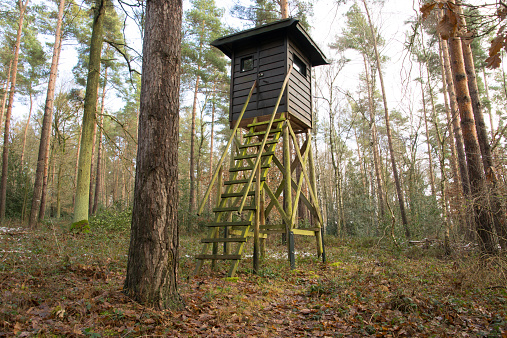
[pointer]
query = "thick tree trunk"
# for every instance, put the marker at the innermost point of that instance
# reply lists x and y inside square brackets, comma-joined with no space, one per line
[81,205]
[475,168]
[152,267]
[5,154]
[25,131]
[459,143]
[490,113]
[399,191]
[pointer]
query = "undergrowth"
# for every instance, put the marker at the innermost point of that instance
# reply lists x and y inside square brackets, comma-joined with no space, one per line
[57,283]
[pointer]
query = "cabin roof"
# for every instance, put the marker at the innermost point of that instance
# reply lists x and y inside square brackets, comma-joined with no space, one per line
[291,27]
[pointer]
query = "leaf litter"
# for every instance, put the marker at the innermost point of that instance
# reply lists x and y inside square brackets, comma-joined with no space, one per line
[361,291]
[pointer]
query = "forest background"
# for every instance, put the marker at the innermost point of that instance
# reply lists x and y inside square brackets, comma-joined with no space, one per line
[356,157]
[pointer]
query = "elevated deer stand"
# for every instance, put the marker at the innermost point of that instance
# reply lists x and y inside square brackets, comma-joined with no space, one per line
[270,104]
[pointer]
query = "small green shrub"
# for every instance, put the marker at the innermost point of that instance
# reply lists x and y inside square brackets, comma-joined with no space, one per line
[112,219]
[81,227]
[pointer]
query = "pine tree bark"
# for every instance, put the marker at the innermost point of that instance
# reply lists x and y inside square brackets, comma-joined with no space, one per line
[42,207]
[5,154]
[456,123]
[399,191]
[152,267]
[497,210]
[81,205]
[482,217]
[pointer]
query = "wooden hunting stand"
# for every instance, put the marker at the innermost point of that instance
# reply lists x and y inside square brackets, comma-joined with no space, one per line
[271,100]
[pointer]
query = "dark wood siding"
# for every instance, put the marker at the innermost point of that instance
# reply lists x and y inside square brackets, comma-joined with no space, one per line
[300,93]
[269,69]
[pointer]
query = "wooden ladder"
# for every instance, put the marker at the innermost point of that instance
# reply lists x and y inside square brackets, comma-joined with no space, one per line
[239,194]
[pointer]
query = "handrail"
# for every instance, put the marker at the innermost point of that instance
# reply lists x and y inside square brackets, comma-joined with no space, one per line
[258,158]
[217,169]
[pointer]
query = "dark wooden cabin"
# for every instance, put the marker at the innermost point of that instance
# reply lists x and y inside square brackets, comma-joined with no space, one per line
[265,54]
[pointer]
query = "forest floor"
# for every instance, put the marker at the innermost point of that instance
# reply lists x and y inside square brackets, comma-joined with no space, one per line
[56,284]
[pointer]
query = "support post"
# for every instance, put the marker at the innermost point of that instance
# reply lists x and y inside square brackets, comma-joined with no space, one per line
[319,236]
[256,250]
[288,181]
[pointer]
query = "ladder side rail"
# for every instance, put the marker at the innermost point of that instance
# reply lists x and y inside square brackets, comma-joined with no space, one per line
[258,158]
[215,174]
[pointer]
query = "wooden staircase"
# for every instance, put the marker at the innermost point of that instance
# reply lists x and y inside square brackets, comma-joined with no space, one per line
[237,189]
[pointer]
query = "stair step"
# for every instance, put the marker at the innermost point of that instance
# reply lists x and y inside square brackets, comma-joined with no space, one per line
[229,224]
[243,157]
[246,207]
[257,144]
[255,124]
[223,240]
[258,133]
[237,194]
[242,181]
[216,257]
[263,166]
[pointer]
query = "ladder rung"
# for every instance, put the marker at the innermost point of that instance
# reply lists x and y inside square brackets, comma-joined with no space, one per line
[265,122]
[250,167]
[215,257]
[243,157]
[242,181]
[246,207]
[222,240]
[237,194]
[257,133]
[257,144]
[227,224]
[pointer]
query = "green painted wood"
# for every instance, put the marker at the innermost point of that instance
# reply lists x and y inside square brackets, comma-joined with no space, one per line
[247,168]
[227,224]
[259,133]
[242,181]
[237,194]
[256,144]
[243,157]
[305,232]
[246,207]
[255,124]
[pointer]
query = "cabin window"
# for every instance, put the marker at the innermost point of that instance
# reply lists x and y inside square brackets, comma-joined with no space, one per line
[247,63]
[298,65]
